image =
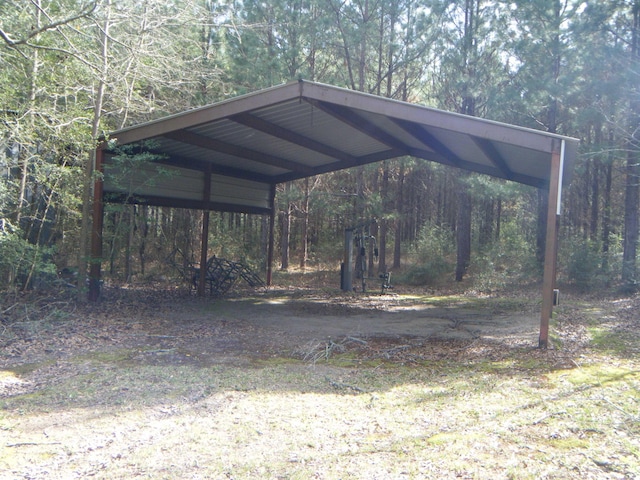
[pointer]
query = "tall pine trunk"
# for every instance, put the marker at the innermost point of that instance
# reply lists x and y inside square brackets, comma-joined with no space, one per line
[552,126]
[304,241]
[131,227]
[286,231]
[83,250]
[606,216]
[632,169]
[397,247]
[382,236]
[463,230]
[463,213]
[144,236]
[595,188]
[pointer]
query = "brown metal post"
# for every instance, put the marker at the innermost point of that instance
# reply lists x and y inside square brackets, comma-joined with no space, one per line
[551,245]
[95,261]
[272,223]
[205,233]
[347,270]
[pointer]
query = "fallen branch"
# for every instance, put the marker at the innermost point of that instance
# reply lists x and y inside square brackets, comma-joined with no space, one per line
[31,444]
[150,335]
[548,415]
[10,308]
[330,347]
[388,353]
[311,353]
[620,409]
[160,350]
[343,386]
[322,350]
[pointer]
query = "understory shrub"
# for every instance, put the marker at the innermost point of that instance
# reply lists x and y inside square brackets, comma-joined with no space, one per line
[22,263]
[506,260]
[587,267]
[430,256]
[428,273]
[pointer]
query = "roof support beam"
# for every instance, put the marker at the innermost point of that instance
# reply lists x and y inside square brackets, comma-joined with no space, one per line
[277,131]
[182,203]
[191,138]
[422,154]
[351,118]
[444,155]
[415,113]
[492,153]
[357,161]
[427,139]
[200,166]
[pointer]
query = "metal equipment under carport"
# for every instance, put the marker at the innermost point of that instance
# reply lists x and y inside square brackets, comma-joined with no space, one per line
[359,237]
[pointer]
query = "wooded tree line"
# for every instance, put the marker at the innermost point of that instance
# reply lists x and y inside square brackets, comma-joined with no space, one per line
[73,70]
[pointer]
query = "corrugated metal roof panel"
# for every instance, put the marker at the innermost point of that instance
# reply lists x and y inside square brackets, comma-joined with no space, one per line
[303,129]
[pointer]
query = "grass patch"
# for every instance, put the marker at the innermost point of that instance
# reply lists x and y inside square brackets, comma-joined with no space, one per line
[491,304]
[444,438]
[569,444]
[600,375]
[608,341]
[286,418]
[21,369]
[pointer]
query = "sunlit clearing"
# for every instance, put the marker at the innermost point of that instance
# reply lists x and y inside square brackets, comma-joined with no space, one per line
[8,379]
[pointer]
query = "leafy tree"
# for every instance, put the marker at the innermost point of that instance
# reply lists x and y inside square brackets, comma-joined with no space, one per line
[609,110]
[44,122]
[470,63]
[542,43]
[632,143]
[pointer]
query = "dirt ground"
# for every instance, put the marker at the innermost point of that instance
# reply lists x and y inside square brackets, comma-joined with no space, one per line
[156,383]
[170,326]
[253,324]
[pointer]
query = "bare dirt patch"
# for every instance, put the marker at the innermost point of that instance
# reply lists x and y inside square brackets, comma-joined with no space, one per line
[172,326]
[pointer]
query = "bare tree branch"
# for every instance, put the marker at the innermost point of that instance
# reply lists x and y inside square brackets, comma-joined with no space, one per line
[85,12]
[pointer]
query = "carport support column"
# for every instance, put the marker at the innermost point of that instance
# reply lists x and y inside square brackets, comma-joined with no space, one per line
[95,260]
[204,249]
[272,226]
[551,245]
[347,265]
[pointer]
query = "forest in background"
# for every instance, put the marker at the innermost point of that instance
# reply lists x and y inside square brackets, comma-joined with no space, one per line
[73,70]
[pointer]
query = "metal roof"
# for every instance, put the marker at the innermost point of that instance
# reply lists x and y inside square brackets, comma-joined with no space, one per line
[248,144]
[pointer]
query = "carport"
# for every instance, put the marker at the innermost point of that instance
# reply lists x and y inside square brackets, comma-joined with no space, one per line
[229,156]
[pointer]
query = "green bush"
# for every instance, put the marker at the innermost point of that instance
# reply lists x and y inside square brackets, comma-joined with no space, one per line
[584,265]
[22,263]
[430,253]
[433,241]
[428,273]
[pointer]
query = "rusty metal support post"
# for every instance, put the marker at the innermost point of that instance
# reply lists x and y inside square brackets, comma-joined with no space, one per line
[551,245]
[347,263]
[272,226]
[95,260]
[204,249]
